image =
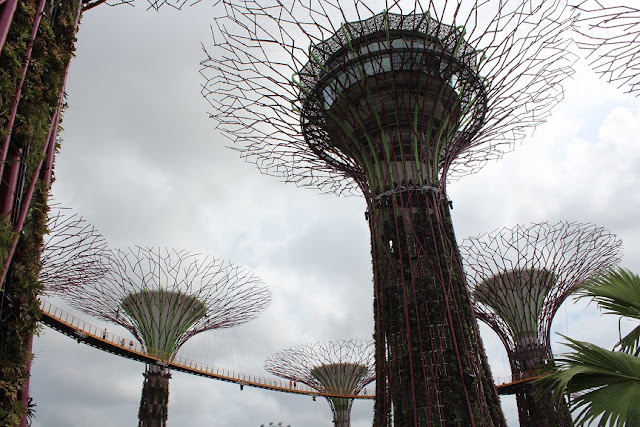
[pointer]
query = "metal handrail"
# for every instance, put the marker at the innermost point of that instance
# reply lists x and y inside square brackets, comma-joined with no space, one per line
[134,348]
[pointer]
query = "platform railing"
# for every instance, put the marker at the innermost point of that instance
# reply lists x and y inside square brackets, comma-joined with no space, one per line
[129,346]
[133,347]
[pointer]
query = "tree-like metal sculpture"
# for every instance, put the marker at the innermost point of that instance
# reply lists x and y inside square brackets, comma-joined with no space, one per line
[518,278]
[341,368]
[392,100]
[74,253]
[164,297]
[609,34]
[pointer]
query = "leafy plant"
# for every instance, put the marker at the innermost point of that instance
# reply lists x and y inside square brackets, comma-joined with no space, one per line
[603,385]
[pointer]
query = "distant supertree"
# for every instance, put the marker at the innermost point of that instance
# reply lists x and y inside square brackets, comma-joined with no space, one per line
[336,367]
[391,99]
[610,36]
[519,277]
[74,252]
[164,297]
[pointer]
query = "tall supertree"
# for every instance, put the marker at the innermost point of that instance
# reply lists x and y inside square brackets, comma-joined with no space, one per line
[394,99]
[518,278]
[164,297]
[338,367]
[608,32]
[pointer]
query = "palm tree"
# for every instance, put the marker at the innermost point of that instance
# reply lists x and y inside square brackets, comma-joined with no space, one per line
[604,384]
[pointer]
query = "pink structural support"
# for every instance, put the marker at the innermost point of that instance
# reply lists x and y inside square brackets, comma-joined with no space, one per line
[10,181]
[48,147]
[7,9]
[48,154]
[4,148]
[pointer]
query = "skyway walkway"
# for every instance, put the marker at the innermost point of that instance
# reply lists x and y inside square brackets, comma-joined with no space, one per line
[102,339]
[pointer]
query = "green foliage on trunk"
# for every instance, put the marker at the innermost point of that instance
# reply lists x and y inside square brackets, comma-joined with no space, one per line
[414,267]
[154,402]
[39,99]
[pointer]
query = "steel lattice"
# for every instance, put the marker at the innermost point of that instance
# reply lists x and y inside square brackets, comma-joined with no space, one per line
[146,287]
[609,35]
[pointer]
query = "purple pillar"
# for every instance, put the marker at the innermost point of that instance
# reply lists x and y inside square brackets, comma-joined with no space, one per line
[7,9]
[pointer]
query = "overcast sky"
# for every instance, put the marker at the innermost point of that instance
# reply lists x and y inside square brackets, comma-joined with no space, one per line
[141,160]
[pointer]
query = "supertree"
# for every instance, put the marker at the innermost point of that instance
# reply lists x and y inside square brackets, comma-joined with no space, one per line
[393,100]
[336,367]
[518,278]
[608,32]
[164,297]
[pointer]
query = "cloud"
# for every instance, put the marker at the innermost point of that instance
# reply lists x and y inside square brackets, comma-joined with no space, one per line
[141,160]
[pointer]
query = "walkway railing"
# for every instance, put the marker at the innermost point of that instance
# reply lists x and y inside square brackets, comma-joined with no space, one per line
[102,338]
[106,340]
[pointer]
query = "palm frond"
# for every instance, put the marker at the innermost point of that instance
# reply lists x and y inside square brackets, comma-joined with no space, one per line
[618,292]
[603,384]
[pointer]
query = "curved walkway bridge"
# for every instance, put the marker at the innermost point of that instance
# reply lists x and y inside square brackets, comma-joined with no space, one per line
[91,335]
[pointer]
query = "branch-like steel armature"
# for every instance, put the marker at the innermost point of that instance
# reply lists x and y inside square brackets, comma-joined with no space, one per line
[266,56]
[164,297]
[74,252]
[518,279]
[392,100]
[609,34]
[340,367]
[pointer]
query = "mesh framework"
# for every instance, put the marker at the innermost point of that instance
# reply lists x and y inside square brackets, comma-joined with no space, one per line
[154,291]
[258,67]
[519,277]
[339,367]
[391,101]
[608,32]
[74,252]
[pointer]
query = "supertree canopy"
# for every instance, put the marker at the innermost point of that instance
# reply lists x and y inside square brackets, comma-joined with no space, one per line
[335,367]
[164,297]
[392,99]
[608,31]
[74,252]
[518,278]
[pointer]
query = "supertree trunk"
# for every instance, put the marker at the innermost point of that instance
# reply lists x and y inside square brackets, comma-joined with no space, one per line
[342,412]
[433,355]
[540,411]
[154,403]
